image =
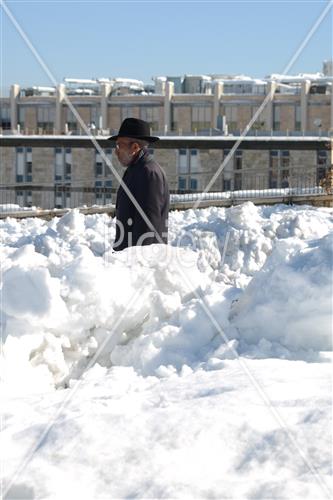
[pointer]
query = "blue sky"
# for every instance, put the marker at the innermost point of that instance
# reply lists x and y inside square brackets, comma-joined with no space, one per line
[141,39]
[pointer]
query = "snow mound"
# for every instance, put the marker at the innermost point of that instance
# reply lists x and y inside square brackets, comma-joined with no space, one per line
[231,278]
[61,323]
[290,299]
[157,348]
[236,241]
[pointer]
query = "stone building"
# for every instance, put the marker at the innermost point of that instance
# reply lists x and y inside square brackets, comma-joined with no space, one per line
[193,105]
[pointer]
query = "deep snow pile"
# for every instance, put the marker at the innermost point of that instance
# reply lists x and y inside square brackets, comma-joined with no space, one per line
[157,331]
[65,293]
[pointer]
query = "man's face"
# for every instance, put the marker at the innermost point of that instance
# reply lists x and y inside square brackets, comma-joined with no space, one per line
[125,150]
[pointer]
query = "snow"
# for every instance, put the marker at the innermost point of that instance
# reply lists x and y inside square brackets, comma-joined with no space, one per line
[247,193]
[200,369]
[300,77]
[11,207]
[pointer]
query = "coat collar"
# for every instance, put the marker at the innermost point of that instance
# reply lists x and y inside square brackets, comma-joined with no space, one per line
[142,154]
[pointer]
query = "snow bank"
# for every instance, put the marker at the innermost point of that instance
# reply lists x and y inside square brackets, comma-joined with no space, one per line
[258,276]
[290,300]
[67,304]
[168,360]
[236,241]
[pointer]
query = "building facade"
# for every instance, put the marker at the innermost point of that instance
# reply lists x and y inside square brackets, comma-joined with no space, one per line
[192,105]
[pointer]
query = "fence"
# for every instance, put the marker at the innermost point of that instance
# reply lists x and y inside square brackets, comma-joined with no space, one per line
[259,186]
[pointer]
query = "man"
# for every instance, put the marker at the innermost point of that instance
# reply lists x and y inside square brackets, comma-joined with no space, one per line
[147,182]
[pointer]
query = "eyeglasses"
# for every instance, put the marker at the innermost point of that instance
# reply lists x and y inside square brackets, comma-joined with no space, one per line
[120,145]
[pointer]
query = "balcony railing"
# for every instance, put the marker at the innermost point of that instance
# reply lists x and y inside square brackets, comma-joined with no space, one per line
[259,186]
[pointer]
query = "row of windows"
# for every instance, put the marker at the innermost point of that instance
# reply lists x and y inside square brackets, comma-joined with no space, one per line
[232,176]
[62,164]
[188,166]
[65,199]
[196,116]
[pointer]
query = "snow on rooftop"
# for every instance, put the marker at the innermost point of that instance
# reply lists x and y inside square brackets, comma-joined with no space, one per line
[238,80]
[80,81]
[320,77]
[129,81]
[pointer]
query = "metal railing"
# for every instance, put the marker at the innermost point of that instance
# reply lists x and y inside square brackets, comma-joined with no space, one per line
[213,132]
[245,184]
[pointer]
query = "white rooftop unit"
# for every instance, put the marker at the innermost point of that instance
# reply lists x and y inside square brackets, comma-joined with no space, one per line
[160,83]
[82,86]
[328,68]
[127,85]
[39,91]
[80,81]
[197,84]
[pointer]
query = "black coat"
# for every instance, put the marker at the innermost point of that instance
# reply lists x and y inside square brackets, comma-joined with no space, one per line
[147,182]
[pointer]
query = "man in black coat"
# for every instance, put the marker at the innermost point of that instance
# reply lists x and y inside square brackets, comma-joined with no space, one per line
[144,222]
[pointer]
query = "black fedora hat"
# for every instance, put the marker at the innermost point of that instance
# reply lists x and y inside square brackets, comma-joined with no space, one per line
[135,129]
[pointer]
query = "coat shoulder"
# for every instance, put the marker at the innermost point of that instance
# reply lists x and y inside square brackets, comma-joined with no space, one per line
[151,166]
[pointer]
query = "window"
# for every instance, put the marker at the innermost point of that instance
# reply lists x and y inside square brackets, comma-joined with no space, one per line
[126,112]
[259,124]
[273,169]
[182,183]
[322,165]
[150,114]
[276,117]
[23,165]
[193,184]
[98,191]
[63,164]
[95,116]
[28,165]
[194,161]
[231,115]
[201,117]
[188,161]
[101,167]
[174,118]
[226,184]
[284,171]
[21,117]
[108,191]
[238,182]
[232,175]
[238,88]
[62,196]
[46,119]
[71,121]
[103,192]
[24,198]
[298,119]
[238,159]
[183,165]
[5,122]
[279,163]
